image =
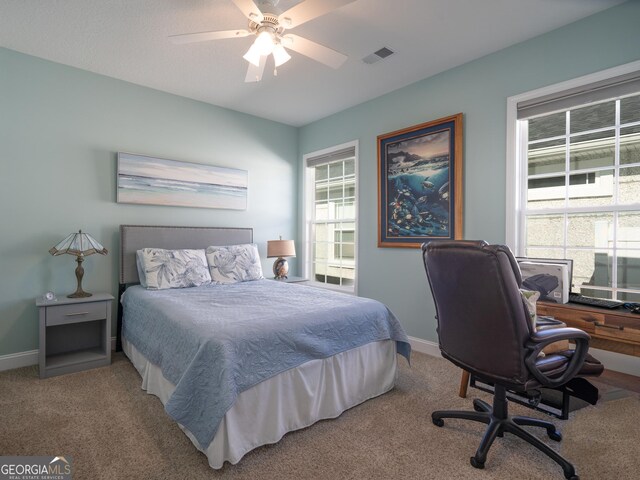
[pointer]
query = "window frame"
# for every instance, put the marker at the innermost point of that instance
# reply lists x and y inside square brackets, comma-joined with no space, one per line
[516,168]
[308,183]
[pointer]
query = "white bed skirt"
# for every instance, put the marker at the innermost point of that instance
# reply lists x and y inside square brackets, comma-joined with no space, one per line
[297,398]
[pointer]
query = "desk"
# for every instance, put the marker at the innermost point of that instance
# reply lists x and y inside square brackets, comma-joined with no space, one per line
[616,330]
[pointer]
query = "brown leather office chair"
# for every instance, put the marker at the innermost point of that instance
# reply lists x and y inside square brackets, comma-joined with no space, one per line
[484,328]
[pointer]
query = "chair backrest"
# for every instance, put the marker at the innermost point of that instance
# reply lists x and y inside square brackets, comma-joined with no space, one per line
[483,323]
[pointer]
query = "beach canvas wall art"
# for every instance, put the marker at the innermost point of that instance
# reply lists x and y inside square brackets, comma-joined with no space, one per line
[157,181]
[420,183]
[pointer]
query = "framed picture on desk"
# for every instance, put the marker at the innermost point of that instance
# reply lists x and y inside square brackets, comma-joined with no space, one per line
[551,277]
[563,261]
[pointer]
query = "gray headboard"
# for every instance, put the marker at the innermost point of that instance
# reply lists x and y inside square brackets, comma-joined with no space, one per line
[135,237]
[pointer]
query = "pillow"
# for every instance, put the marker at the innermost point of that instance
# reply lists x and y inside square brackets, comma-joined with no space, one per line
[140,266]
[234,263]
[530,298]
[163,269]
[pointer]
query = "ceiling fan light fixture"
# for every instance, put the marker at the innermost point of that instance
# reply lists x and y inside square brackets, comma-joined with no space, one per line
[253,55]
[264,43]
[280,55]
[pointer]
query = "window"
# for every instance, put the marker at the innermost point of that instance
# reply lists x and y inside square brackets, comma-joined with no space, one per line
[578,195]
[331,217]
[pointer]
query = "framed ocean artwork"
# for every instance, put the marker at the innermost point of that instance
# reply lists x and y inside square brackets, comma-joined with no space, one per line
[157,181]
[420,183]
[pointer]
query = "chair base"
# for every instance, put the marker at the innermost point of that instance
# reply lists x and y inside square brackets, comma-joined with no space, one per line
[498,420]
[578,387]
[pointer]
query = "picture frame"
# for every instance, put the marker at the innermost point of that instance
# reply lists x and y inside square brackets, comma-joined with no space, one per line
[420,183]
[149,180]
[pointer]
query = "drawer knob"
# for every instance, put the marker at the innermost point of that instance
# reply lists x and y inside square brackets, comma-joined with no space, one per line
[76,314]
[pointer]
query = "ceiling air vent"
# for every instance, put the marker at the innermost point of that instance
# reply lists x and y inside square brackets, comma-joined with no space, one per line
[381,54]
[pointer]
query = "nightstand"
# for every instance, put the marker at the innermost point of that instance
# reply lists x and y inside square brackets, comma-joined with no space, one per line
[290,279]
[75,334]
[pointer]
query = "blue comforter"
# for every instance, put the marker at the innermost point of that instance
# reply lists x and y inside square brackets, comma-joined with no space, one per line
[215,341]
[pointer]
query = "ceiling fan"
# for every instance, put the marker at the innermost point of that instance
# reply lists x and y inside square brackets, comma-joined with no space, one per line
[271,39]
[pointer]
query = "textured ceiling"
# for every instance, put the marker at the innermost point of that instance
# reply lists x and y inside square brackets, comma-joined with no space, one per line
[127,39]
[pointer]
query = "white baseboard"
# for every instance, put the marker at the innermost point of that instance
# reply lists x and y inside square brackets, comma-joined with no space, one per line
[18,360]
[612,361]
[425,346]
[25,359]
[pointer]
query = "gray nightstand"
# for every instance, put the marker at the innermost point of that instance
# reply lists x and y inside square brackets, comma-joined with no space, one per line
[290,279]
[75,334]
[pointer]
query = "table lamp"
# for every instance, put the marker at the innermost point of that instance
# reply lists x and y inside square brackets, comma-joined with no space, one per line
[281,248]
[81,245]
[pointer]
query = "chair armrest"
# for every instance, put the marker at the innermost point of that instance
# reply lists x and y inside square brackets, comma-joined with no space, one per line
[539,340]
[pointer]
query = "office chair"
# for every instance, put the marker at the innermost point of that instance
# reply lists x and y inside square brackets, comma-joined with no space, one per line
[484,328]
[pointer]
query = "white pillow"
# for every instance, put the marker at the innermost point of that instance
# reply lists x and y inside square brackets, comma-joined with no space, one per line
[234,263]
[172,268]
[140,266]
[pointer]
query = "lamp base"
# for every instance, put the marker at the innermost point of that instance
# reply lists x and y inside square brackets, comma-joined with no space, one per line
[79,294]
[280,268]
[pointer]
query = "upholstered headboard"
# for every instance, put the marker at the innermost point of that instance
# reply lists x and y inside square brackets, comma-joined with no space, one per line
[135,237]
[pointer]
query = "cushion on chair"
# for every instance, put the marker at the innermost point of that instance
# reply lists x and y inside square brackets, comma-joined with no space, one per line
[556,363]
[590,367]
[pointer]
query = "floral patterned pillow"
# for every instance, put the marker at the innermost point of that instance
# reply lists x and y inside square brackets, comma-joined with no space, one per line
[172,268]
[234,263]
[530,298]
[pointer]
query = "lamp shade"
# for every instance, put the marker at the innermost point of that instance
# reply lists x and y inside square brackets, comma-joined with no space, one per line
[281,248]
[280,55]
[78,244]
[253,55]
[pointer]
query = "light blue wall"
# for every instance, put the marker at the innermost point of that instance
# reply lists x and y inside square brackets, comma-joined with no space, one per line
[478,89]
[60,129]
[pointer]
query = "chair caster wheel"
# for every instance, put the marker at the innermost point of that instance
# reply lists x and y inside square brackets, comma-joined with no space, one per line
[438,422]
[555,435]
[476,464]
[571,477]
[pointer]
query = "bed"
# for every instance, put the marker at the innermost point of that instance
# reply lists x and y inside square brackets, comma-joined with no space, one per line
[238,366]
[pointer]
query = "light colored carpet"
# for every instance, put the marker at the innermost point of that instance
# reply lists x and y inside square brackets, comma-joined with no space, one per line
[114,430]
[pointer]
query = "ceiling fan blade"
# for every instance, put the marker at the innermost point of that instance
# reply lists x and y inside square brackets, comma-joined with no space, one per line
[254,74]
[250,10]
[205,36]
[314,50]
[308,10]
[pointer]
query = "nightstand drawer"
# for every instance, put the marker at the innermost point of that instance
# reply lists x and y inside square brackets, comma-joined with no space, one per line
[84,312]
